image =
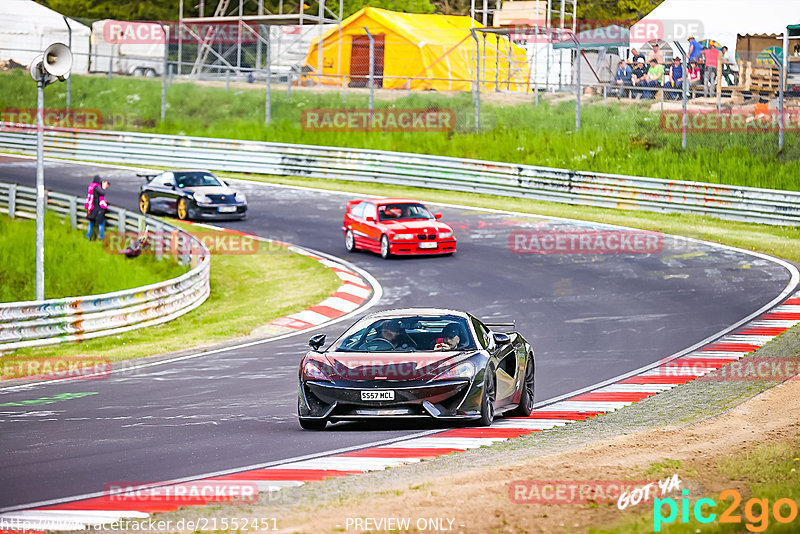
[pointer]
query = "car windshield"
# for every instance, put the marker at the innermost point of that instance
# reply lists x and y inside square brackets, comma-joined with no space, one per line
[196,179]
[403,210]
[407,334]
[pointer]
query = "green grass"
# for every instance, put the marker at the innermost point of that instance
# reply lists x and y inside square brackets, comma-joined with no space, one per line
[770,472]
[73,266]
[616,139]
[247,291]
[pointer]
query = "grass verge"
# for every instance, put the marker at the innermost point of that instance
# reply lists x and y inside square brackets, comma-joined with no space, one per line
[624,139]
[247,291]
[780,241]
[73,265]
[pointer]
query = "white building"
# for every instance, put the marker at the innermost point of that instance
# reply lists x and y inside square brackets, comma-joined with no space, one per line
[27,28]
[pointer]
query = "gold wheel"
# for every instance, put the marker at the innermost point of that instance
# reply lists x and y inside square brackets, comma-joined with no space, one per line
[182,211]
[144,203]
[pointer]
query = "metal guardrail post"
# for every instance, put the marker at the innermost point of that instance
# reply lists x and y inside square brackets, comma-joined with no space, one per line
[159,241]
[289,86]
[268,103]
[73,212]
[69,80]
[477,80]
[783,66]
[371,73]
[121,221]
[578,90]
[12,200]
[164,72]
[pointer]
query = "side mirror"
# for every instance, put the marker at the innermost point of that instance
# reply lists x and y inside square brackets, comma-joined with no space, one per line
[316,342]
[172,186]
[370,219]
[501,339]
[437,215]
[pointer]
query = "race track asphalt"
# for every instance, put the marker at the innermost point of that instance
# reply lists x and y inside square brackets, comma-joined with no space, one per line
[589,317]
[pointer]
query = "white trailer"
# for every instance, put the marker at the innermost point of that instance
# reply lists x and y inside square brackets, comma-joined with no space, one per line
[135,49]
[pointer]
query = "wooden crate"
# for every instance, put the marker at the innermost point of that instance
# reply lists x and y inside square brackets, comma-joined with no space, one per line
[758,78]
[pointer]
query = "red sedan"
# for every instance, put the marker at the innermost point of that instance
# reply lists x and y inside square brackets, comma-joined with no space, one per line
[395,226]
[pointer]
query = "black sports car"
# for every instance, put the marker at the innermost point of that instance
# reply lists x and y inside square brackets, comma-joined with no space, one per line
[424,363]
[191,194]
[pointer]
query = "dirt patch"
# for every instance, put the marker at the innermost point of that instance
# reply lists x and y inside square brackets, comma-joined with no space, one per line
[769,417]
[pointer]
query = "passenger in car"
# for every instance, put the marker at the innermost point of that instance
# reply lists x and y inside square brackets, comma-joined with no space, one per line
[451,339]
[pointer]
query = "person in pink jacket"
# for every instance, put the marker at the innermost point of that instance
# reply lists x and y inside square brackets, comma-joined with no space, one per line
[96,205]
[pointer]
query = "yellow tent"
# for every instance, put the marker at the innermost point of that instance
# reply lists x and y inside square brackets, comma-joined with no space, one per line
[424,51]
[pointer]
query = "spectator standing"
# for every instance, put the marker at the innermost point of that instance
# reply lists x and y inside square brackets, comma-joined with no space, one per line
[653,78]
[96,205]
[695,50]
[639,76]
[675,78]
[622,79]
[635,56]
[712,56]
[656,54]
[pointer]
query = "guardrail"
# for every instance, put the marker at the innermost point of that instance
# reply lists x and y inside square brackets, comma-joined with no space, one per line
[438,172]
[48,322]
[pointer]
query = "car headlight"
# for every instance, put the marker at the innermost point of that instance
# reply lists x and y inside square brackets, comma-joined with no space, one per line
[311,371]
[200,198]
[445,235]
[240,197]
[403,236]
[461,370]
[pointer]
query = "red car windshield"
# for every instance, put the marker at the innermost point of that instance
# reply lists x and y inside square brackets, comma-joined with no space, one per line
[403,211]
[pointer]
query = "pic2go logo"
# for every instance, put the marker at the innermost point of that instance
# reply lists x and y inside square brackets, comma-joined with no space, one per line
[756,511]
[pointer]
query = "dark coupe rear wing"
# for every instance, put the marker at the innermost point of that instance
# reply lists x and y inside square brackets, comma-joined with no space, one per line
[147,176]
[512,325]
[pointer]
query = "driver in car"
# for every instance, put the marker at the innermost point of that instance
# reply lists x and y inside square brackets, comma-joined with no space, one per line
[451,338]
[394,333]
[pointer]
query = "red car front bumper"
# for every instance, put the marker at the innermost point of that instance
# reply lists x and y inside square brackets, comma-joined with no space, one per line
[403,248]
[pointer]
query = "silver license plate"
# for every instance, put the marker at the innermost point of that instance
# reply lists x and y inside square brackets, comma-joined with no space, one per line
[377,395]
[227,209]
[427,245]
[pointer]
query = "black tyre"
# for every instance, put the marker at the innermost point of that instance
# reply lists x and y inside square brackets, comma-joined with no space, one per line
[386,252]
[488,398]
[525,407]
[350,241]
[313,424]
